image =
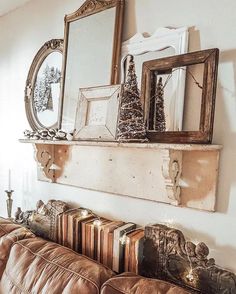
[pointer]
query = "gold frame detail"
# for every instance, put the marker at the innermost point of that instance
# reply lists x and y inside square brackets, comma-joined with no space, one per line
[88,8]
[54,45]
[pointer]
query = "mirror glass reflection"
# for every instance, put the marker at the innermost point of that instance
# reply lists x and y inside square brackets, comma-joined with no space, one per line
[88,59]
[47,90]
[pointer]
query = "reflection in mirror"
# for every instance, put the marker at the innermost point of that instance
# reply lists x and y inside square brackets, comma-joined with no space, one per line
[141,58]
[93,41]
[47,90]
[42,91]
[162,106]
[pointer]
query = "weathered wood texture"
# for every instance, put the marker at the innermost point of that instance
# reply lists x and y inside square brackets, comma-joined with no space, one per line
[184,177]
[168,256]
[210,59]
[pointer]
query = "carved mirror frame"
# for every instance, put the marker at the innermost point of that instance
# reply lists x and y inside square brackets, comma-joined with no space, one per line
[54,45]
[91,7]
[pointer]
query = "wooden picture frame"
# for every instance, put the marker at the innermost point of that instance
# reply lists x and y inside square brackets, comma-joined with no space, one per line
[210,59]
[97,113]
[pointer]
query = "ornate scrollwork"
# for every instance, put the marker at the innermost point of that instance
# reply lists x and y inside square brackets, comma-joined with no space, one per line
[28,90]
[54,44]
[90,6]
[171,171]
[45,157]
[168,256]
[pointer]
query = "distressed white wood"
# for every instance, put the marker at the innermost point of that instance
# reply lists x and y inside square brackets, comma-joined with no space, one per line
[185,177]
[97,113]
[163,38]
[184,147]
[171,171]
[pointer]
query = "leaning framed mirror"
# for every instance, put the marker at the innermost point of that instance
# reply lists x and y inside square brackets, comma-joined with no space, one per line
[42,91]
[92,52]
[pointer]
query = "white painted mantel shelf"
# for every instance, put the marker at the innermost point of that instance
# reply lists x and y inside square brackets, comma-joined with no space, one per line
[178,174]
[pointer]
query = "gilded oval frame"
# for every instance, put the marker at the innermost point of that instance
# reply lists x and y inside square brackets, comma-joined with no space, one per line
[54,45]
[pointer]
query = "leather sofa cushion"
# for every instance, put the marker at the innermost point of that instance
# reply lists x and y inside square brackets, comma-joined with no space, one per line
[132,284]
[10,233]
[39,266]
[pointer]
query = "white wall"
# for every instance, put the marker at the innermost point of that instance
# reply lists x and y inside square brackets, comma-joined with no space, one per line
[212,23]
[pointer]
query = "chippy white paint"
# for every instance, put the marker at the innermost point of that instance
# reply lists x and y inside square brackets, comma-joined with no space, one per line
[161,39]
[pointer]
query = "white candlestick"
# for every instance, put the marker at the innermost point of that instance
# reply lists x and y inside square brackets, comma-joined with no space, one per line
[9,180]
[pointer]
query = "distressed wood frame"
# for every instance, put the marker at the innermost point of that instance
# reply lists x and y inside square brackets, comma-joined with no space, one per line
[88,8]
[54,45]
[101,132]
[210,59]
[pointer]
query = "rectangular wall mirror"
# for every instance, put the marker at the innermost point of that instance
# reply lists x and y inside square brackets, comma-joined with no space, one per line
[92,52]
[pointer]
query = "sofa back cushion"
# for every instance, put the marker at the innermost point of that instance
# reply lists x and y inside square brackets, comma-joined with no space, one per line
[10,233]
[133,284]
[39,266]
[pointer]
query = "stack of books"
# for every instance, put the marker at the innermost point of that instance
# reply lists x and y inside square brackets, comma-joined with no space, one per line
[112,243]
[134,250]
[69,228]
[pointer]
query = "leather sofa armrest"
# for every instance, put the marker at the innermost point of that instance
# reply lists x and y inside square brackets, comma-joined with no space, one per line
[9,234]
[134,284]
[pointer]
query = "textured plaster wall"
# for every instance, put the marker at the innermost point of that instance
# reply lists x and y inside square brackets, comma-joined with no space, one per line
[212,24]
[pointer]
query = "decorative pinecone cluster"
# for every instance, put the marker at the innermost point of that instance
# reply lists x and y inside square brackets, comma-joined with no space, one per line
[48,134]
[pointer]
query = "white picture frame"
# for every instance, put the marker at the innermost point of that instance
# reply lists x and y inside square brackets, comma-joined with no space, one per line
[97,113]
[162,40]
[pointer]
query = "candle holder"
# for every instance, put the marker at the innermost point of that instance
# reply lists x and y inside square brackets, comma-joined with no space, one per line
[9,202]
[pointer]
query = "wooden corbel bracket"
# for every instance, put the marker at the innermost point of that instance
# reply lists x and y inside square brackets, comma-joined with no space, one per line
[51,159]
[171,171]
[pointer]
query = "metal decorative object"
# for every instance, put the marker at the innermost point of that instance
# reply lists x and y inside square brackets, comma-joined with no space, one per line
[9,202]
[42,221]
[48,134]
[168,256]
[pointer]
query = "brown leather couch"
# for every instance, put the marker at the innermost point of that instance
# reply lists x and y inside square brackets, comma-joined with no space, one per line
[32,265]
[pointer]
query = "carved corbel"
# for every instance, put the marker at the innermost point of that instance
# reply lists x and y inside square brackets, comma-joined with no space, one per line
[51,159]
[171,171]
[44,155]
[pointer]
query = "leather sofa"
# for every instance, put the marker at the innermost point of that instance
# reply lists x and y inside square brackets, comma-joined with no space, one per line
[33,265]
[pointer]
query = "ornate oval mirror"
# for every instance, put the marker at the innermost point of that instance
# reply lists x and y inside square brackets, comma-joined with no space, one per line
[42,92]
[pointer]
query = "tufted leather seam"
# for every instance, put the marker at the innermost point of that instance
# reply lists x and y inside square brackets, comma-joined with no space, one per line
[15,284]
[3,229]
[113,287]
[60,266]
[74,252]
[84,256]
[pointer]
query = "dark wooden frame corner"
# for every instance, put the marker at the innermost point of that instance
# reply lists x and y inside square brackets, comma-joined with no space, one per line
[210,60]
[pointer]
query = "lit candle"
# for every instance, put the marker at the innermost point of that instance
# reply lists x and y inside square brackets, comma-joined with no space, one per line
[9,180]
